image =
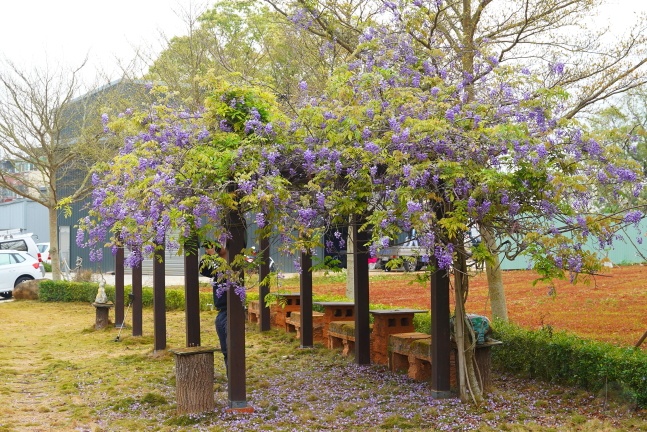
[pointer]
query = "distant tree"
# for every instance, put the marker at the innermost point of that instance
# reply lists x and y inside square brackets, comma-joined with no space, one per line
[44,123]
[625,124]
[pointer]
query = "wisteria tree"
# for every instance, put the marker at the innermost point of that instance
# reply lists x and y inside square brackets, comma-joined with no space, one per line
[411,142]
[173,178]
[545,36]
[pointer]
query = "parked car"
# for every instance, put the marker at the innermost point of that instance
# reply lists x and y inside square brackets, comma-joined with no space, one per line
[19,241]
[43,248]
[17,267]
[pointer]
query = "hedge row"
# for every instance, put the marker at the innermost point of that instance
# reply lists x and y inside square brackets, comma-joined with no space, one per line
[564,358]
[64,291]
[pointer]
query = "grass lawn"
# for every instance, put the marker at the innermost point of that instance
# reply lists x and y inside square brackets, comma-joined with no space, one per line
[59,374]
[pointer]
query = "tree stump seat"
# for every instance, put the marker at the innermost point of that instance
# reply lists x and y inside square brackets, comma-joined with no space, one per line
[194,379]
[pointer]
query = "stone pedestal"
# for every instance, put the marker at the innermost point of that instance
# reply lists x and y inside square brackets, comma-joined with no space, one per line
[102,315]
[194,379]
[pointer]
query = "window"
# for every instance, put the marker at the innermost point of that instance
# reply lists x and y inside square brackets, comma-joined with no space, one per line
[16,258]
[19,245]
[11,258]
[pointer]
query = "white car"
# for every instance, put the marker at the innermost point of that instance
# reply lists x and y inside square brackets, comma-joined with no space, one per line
[20,242]
[17,267]
[43,248]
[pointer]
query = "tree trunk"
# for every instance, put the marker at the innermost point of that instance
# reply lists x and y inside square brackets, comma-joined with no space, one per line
[468,383]
[495,279]
[53,242]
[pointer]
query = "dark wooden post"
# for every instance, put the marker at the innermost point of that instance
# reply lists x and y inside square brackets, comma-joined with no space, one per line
[236,321]
[306,300]
[137,300]
[264,289]
[360,271]
[440,344]
[159,298]
[119,287]
[192,292]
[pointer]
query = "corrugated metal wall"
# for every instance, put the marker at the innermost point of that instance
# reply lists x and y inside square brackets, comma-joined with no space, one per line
[27,214]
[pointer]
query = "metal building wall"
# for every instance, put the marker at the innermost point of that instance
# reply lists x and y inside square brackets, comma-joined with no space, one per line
[26,214]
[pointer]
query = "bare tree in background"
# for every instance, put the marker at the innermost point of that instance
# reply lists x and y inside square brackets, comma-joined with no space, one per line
[45,125]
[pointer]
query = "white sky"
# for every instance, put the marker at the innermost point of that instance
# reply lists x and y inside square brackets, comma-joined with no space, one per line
[65,31]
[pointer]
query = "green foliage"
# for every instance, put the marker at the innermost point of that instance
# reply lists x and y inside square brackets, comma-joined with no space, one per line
[422,322]
[64,291]
[566,359]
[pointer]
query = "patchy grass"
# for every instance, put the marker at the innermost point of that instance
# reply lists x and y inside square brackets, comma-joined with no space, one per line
[60,374]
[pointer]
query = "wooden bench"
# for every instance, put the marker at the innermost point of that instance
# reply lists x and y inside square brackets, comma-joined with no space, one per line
[293,324]
[411,353]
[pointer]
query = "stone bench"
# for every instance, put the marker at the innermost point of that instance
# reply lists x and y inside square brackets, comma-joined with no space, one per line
[281,311]
[341,335]
[253,311]
[411,353]
[293,324]
[385,323]
[335,311]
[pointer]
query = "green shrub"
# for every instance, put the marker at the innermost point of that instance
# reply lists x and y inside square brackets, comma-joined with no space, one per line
[67,291]
[567,359]
[422,322]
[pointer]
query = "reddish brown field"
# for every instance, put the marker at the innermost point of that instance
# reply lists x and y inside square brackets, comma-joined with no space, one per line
[611,307]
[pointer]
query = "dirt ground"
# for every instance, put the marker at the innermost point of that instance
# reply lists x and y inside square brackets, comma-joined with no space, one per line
[610,307]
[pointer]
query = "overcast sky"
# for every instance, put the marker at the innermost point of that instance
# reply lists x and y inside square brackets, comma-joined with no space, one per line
[65,31]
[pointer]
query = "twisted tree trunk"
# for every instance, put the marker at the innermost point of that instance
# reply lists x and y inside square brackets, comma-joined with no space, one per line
[468,382]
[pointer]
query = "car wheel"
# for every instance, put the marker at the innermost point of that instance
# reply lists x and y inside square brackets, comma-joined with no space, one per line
[409,266]
[22,279]
[5,295]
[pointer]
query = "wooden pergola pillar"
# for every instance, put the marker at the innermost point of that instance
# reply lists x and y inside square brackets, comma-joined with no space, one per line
[159,298]
[305,283]
[264,289]
[361,291]
[192,292]
[137,300]
[119,287]
[236,389]
[440,343]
